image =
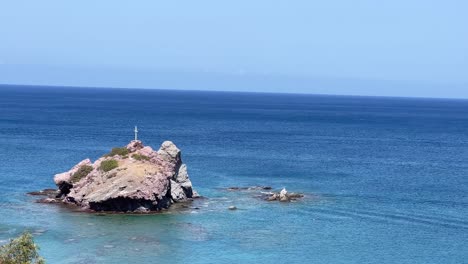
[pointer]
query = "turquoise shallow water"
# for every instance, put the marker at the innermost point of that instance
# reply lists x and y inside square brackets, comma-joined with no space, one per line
[385,178]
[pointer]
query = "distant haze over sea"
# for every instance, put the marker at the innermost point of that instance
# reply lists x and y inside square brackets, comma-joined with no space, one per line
[236,81]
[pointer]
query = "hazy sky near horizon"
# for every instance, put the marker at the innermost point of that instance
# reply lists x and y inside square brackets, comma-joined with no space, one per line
[291,45]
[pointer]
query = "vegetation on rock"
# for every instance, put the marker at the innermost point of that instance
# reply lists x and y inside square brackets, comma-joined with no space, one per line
[21,250]
[140,157]
[82,172]
[117,151]
[108,165]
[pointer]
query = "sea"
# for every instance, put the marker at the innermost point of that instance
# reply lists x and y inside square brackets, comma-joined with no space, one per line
[385,179]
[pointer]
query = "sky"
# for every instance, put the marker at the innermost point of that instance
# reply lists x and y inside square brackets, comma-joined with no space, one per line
[361,47]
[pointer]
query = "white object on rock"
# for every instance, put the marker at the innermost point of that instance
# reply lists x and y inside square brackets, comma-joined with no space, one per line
[283,195]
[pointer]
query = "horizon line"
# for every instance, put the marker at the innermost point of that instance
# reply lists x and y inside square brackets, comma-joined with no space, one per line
[234,91]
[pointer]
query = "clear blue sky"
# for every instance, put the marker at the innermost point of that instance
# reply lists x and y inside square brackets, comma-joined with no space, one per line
[398,47]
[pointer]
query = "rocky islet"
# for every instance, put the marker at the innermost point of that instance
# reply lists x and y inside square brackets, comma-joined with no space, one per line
[134,178]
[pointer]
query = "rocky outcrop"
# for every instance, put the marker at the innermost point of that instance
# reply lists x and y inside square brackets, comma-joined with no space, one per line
[283,196]
[266,194]
[131,179]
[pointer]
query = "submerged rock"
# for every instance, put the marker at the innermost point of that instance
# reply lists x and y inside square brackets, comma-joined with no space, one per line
[45,192]
[134,178]
[251,188]
[48,200]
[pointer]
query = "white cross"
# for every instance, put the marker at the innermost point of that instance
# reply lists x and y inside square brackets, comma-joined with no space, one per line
[136,133]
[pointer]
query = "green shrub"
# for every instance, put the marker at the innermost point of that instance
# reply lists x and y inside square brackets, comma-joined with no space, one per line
[117,151]
[21,250]
[140,157]
[82,172]
[108,165]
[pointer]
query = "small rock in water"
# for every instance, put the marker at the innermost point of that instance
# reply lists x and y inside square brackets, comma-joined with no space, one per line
[195,194]
[141,209]
[294,196]
[265,193]
[283,196]
[45,192]
[47,200]
[273,197]
[232,207]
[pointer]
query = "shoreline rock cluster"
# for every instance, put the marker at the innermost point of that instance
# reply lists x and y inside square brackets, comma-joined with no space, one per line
[268,195]
[134,179]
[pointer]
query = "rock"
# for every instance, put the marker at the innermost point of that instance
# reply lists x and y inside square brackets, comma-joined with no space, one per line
[182,175]
[273,197]
[232,207]
[169,152]
[177,192]
[134,185]
[195,194]
[181,186]
[63,180]
[134,145]
[283,196]
[45,192]
[141,209]
[147,151]
[48,200]
[64,177]
[266,194]
[295,196]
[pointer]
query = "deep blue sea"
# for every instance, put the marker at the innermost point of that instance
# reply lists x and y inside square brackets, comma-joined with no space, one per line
[386,179]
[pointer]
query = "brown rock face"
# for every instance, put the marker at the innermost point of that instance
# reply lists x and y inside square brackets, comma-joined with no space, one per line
[136,179]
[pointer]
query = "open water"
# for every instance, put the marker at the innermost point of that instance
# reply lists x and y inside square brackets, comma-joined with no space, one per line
[386,179]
